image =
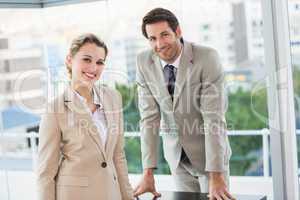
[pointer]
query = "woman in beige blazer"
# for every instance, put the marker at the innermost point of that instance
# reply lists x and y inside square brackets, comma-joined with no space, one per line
[81,154]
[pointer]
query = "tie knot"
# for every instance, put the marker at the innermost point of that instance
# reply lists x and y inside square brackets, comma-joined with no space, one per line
[170,67]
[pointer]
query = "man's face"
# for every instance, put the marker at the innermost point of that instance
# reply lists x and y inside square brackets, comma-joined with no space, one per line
[165,43]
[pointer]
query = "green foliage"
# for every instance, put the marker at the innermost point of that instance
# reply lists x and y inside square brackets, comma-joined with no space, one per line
[130,107]
[131,122]
[296,82]
[247,111]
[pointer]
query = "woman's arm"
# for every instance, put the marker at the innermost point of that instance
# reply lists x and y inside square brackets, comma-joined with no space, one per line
[120,159]
[48,156]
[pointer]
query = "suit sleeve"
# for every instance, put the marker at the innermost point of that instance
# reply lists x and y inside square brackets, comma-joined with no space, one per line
[150,120]
[120,159]
[48,156]
[213,108]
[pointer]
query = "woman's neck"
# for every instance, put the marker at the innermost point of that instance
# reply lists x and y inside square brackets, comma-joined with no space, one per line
[83,90]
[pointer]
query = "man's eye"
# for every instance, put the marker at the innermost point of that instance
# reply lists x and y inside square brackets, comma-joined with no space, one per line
[100,63]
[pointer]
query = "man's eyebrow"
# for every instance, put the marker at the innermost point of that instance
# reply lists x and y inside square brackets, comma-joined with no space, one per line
[163,32]
[88,56]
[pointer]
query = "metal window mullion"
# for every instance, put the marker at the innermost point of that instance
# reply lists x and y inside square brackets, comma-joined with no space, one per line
[64,2]
[280,100]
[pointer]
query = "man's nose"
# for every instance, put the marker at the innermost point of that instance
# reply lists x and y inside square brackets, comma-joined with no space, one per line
[159,43]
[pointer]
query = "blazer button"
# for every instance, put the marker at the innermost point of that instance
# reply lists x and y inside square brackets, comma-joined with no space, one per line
[103,164]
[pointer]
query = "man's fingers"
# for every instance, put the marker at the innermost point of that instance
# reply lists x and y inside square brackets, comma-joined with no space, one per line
[229,195]
[136,188]
[156,194]
[225,197]
[218,197]
[222,196]
[142,191]
[138,192]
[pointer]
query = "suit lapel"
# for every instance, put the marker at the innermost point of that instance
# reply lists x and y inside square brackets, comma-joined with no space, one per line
[184,71]
[160,83]
[79,109]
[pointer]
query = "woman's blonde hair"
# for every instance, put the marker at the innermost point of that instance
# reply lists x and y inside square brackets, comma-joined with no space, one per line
[81,40]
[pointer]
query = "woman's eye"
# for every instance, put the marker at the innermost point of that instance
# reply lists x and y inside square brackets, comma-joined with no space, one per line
[87,60]
[100,63]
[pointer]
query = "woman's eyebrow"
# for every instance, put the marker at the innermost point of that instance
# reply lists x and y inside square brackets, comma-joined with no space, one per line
[88,56]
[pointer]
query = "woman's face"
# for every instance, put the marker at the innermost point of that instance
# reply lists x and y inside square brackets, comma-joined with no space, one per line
[87,64]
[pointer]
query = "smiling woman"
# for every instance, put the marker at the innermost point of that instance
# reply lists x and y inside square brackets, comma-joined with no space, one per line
[81,152]
[84,49]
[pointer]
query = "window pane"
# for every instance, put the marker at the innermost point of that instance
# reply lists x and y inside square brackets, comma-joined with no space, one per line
[294,14]
[39,45]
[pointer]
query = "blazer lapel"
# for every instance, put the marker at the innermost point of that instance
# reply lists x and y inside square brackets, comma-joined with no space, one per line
[72,102]
[160,83]
[107,102]
[184,71]
[79,109]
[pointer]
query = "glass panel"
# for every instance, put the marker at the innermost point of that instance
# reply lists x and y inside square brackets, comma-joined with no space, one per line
[294,16]
[233,28]
[3,185]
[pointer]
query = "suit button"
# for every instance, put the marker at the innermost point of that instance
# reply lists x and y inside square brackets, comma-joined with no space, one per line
[103,164]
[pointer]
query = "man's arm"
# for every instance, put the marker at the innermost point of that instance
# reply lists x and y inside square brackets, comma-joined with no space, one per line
[213,108]
[149,128]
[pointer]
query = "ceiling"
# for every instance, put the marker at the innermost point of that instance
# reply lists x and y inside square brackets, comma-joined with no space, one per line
[39,3]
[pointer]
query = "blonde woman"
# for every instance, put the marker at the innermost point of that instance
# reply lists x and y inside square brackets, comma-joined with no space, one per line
[81,154]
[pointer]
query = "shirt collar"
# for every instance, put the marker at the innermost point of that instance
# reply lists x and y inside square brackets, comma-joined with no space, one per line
[175,63]
[96,99]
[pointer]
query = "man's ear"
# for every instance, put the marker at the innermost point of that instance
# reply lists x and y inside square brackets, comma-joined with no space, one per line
[178,32]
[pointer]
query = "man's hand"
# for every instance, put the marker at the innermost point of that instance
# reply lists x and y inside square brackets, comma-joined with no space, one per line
[217,187]
[146,184]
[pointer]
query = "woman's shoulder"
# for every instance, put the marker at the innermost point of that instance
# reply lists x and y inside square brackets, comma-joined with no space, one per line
[107,90]
[55,104]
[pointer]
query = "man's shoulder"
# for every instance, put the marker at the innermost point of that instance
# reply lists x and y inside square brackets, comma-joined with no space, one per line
[202,49]
[145,55]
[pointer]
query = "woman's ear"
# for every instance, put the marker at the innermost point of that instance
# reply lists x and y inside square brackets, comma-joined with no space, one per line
[68,60]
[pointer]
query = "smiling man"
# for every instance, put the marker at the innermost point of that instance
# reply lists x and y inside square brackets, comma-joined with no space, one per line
[181,96]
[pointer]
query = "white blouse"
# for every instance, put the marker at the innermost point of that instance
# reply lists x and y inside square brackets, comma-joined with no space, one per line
[98,116]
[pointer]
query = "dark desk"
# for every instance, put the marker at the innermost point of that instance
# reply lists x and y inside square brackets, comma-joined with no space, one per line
[194,196]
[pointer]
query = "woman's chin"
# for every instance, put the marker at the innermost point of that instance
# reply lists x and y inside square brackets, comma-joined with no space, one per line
[86,82]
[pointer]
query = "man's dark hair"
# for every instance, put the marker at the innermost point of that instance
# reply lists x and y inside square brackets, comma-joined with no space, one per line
[159,15]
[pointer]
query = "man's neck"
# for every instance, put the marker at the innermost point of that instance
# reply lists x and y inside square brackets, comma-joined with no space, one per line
[171,61]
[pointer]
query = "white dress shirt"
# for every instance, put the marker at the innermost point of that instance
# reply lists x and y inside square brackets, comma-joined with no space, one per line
[98,115]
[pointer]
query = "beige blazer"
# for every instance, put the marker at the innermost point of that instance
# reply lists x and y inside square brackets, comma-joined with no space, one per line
[194,121]
[72,162]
